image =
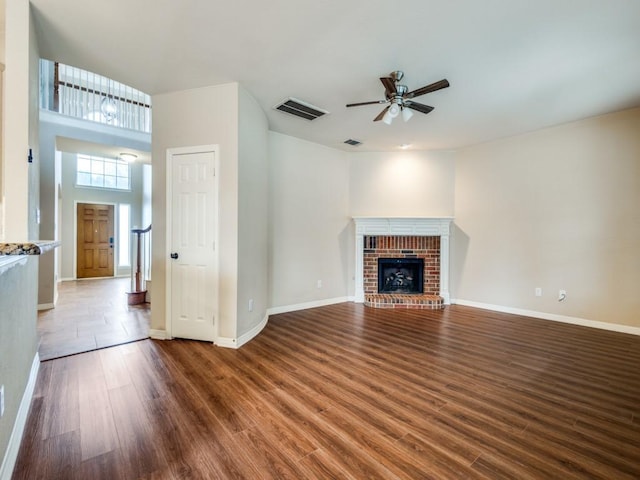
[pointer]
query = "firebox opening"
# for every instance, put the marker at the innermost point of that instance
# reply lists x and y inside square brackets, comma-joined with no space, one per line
[400,275]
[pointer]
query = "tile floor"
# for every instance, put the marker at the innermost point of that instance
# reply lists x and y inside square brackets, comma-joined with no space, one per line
[91,314]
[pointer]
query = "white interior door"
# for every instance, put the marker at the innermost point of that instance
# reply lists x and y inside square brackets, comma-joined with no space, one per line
[193,272]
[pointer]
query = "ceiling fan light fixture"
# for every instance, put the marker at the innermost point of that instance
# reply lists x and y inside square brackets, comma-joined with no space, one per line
[406,114]
[394,110]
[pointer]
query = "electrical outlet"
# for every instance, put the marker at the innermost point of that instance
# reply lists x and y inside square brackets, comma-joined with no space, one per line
[251,305]
[1,400]
[319,283]
[538,292]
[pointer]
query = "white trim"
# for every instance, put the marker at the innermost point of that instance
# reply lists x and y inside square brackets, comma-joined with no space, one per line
[401,226]
[11,454]
[614,327]
[226,342]
[159,334]
[46,306]
[306,305]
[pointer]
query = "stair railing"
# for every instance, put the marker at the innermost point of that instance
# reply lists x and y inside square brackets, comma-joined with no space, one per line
[138,291]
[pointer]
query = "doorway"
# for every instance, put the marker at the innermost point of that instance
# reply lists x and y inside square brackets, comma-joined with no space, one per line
[95,227]
[192,270]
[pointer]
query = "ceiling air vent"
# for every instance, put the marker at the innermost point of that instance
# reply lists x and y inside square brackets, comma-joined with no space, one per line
[300,109]
[353,142]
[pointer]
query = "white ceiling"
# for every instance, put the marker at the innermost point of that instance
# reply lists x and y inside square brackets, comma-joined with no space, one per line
[514,65]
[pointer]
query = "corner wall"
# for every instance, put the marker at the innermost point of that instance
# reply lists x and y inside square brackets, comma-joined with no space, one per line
[16,172]
[310,232]
[202,116]
[18,348]
[253,197]
[556,209]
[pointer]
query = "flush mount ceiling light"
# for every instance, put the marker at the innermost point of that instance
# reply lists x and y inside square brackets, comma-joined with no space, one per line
[404,146]
[400,99]
[128,157]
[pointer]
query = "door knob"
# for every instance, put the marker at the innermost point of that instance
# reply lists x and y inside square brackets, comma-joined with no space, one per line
[174,256]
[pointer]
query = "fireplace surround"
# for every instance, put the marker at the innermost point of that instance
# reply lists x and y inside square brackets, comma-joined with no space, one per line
[398,237]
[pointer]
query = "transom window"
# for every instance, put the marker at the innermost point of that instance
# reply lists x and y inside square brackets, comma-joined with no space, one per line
[102,172]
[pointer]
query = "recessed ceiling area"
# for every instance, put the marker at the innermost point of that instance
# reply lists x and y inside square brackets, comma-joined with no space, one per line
[514,65]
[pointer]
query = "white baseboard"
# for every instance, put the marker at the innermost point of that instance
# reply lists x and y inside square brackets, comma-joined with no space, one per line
[551,316]
[227,342]
[159,334]
[11,454]
[304,306]
[244,338]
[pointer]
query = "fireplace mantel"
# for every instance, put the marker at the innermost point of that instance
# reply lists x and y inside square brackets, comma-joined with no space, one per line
[403,226]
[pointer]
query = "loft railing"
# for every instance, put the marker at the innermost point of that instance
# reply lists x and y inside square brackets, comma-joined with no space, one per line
[140,265]
[78,93]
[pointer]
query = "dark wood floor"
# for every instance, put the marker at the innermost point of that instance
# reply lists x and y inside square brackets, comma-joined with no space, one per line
[91,314]
[347,392]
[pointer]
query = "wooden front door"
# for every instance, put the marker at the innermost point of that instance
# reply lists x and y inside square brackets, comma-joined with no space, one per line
[95,240]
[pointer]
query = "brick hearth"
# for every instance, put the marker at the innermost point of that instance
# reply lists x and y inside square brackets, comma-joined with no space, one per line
[417,301]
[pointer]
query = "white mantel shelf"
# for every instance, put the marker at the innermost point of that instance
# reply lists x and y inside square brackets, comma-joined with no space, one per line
[403,226]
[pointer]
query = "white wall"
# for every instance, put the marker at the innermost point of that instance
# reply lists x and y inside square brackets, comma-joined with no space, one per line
[401,184]
[556,209]
[253,196]
[202,116]
[309,221]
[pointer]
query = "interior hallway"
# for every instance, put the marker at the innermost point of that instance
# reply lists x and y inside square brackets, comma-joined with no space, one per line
[91,314]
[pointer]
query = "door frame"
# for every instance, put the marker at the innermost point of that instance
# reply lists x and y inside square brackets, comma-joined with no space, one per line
[171,152]
[116,249]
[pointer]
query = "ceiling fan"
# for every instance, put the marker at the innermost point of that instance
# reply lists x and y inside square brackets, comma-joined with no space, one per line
[400,99]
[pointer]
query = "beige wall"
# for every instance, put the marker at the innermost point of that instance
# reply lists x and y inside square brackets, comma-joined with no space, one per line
[309,222]
[15,171]
[556,209]
[203,116]
[401,184]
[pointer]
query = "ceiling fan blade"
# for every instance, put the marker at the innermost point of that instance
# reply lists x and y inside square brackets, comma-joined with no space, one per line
[418,107]
[381,114]
[375,102]
[428,89]
[389,86]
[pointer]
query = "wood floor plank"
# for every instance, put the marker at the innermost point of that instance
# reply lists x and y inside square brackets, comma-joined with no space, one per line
[97,427]
[347,392]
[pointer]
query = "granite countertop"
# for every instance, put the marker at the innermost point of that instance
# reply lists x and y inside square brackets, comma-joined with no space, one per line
[35,247]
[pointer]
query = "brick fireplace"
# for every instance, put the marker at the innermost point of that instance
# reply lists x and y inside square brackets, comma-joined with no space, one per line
[403,240]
